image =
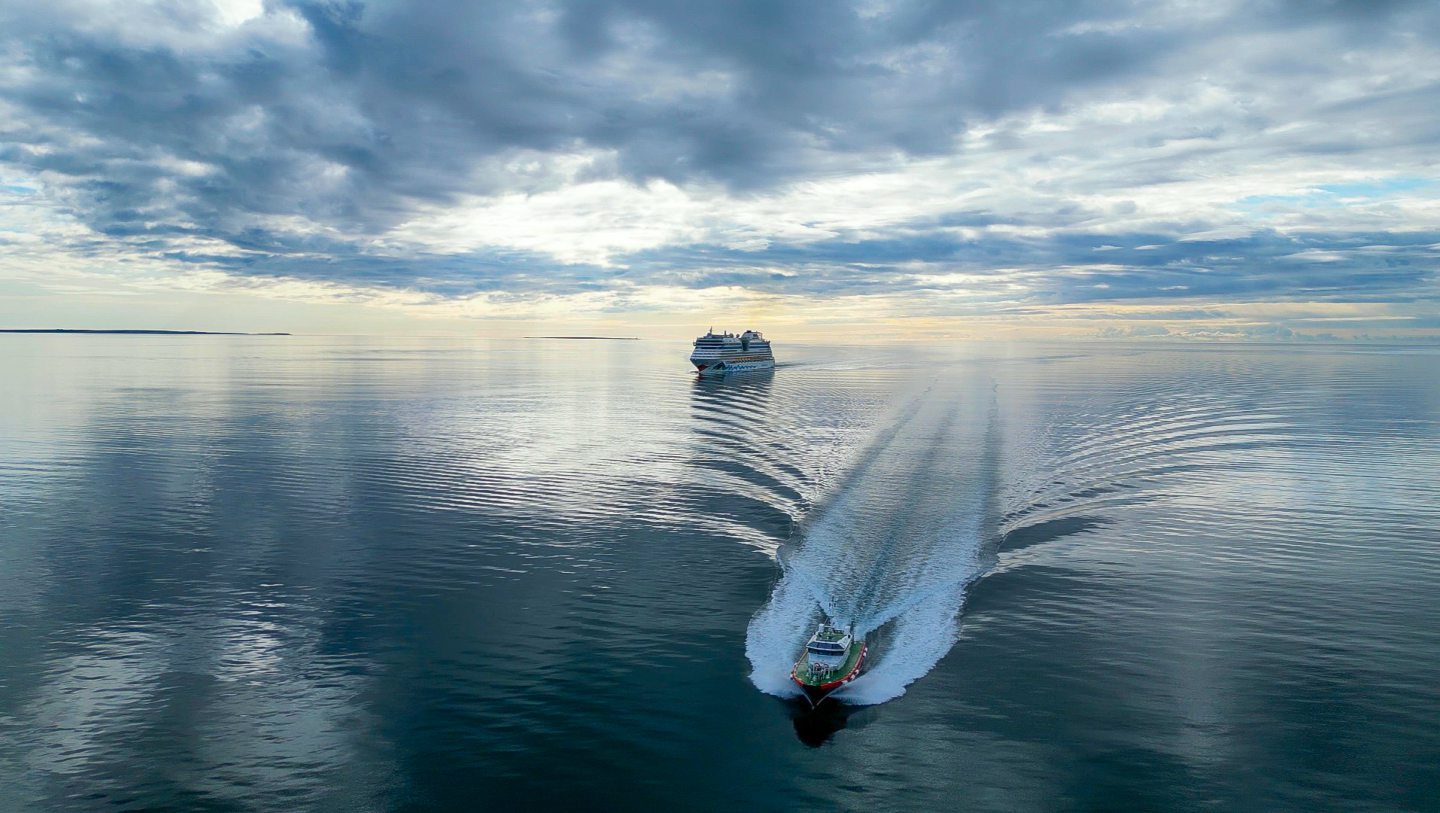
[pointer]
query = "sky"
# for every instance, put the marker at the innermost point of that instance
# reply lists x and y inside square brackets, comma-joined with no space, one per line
[909,170]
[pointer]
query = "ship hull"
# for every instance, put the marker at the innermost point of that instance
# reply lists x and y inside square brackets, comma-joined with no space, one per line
[712,367]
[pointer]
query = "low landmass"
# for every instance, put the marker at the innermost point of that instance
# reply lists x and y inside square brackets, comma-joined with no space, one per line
[141,332]
[592,338]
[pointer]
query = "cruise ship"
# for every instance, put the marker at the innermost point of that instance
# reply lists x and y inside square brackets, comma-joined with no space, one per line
[718,353]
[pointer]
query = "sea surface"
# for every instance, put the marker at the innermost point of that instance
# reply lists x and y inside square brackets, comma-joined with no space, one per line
[347,574]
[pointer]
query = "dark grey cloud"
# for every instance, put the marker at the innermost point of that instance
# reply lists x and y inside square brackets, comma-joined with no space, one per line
[415,100]
[1064,268]
[1067,268]
[299,136]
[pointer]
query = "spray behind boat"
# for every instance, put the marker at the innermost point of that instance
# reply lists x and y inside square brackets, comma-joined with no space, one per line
[891,547]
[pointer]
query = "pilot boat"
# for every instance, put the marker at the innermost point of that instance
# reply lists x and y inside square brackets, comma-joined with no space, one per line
[832,658]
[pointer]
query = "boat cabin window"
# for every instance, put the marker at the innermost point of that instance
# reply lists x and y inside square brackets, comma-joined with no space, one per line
[821,648]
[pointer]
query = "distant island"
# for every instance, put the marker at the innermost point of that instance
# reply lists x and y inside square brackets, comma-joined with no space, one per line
[141,332]
[592,338]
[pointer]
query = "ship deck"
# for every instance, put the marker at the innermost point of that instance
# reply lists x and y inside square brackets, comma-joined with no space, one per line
[852,658]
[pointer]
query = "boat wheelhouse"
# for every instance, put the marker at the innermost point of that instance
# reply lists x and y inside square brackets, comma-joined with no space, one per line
[717,353]
[832,658]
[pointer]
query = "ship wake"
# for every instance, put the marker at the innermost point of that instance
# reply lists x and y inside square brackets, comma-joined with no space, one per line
[893,547]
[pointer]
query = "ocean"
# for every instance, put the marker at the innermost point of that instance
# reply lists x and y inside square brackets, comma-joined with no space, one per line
[316,573]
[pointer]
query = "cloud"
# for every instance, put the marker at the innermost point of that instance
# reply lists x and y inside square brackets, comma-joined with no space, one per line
[1003,156]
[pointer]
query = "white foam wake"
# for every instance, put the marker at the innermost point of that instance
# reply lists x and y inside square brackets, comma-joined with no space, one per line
[891,551]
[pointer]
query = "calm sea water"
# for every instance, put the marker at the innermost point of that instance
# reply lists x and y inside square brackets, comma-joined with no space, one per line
[278,573]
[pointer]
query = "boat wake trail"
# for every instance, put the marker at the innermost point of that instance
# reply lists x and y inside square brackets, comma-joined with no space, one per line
[893,547]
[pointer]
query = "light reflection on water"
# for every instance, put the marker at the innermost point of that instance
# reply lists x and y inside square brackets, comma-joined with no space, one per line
[289,573]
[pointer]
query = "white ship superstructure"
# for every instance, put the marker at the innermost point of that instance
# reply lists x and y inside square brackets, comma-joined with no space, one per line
[717,353]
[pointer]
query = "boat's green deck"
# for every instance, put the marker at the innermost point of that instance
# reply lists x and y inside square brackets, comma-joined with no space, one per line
[802,670]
